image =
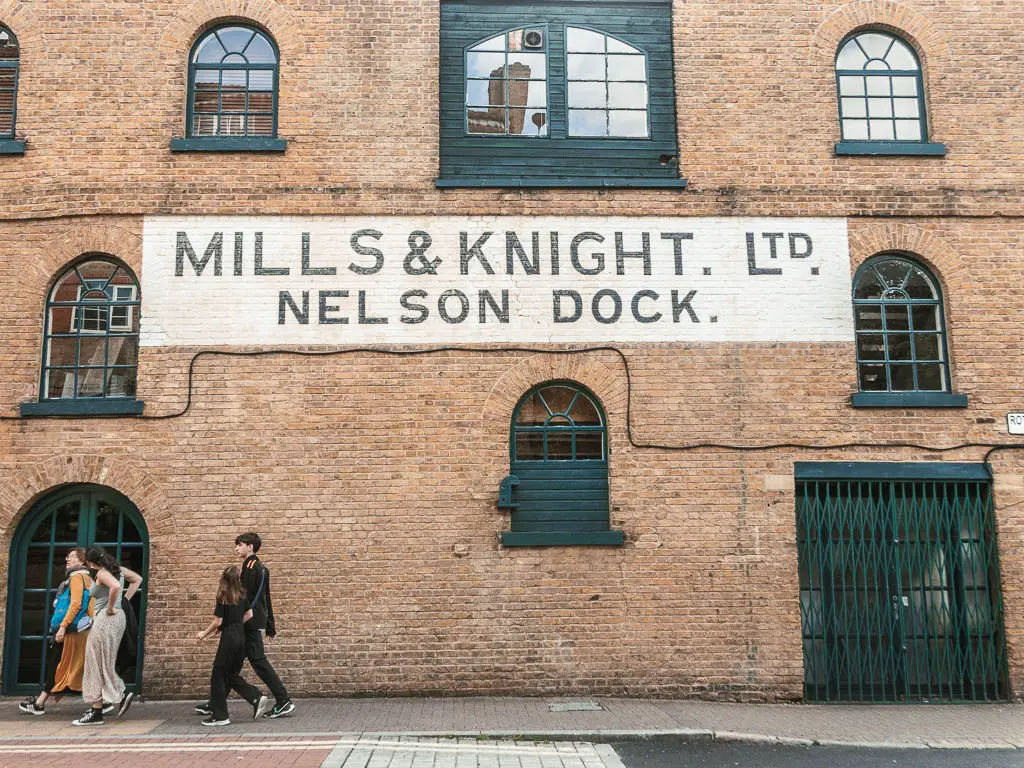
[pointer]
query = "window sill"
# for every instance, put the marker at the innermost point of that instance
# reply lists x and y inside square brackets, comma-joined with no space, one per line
[890,148]
[908,400]
[561,538]
[505,182]
[229,144]
[114,406]
[12,147]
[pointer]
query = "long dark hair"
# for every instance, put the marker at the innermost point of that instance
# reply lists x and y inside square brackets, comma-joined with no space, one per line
[100,556]
[230,590]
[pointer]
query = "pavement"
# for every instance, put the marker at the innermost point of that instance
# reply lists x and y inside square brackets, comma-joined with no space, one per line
[567,720]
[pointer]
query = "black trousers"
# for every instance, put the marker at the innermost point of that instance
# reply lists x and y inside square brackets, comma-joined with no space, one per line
[263,668]
[227,668]
[52,660]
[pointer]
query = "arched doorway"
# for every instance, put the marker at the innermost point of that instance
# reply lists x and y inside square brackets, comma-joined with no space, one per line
[72,516]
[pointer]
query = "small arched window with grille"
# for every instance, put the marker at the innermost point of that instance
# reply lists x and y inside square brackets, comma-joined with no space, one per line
[900,327]
[91,344]
[558,486]
[9,60]
[232,84]
[881,96]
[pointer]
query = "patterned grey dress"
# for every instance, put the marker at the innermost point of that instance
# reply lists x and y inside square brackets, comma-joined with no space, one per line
[100,681]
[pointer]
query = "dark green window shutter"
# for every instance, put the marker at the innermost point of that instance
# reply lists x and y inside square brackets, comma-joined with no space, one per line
[556,159]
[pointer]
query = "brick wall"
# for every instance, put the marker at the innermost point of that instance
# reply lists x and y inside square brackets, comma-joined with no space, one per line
[373,479]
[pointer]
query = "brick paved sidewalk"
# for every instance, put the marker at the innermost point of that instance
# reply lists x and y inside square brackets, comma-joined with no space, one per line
[551,719]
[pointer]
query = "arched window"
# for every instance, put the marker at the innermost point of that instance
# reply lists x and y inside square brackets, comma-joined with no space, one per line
[607,86]
[232,83]
[901,344]
[881,92]
[558,486]
[9,58]
[506,85]
[91,344]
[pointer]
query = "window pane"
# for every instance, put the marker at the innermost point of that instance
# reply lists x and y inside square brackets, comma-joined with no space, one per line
[896,318]
[527,66]
[124,350]
[585,67]
[233,101]
[926,318]
[235,39]
[210,51]
[930,377]
[486,121]
[481,93]
[6,101]
[626,68]
[558,398]
[881,130]
[493,44]
[926,346]
[587,94]
[537,93]
[261,102]
[899,346]
[879,86]
[584,413]
[588,123]
[60,319]
[589,445]
[559,445]
[121,382]
[854,130]
[901,57]
[617,46]
[869,318]
[261,80]
[854,108]
[92,350]
[206,101]
[870,347]
[62,352]
[627,95]
[869,286]
[849,85]
[532,412]
[893,272]
[875,44]
[919,285]
[905,108]
[90,383]
[260,51]
[527,122]
[879,108]
[904,86]
[515,40]
[583,41]
[908,130]
[204,125]
[517,92]
[872,378]
[485,65]
[850,57]
[632,123]
[232,79]
[902,378]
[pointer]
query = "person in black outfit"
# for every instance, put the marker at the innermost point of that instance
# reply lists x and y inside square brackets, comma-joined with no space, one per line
[230,615]
[256,582]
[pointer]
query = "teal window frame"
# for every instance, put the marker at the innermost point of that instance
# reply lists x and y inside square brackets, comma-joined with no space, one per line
[894,146]
[89,497]
[896,298]
[234,142]
[9,145]
[89,307]
[558,159]
[533,475]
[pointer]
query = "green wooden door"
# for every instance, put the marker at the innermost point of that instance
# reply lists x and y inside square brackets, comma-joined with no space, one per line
[76,516]
[900,596]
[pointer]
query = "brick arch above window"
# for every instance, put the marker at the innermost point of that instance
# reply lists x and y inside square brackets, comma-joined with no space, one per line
[23,23]
[57,254]
[19,494]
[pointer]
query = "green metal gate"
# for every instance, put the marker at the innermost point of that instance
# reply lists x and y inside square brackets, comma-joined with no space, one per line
[899,583]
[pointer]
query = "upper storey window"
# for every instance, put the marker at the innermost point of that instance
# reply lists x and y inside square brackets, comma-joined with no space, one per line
[559,94]
[9,59]
[881,97]
[232,92]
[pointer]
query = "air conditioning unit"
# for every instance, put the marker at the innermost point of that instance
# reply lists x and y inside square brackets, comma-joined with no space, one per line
[533,38]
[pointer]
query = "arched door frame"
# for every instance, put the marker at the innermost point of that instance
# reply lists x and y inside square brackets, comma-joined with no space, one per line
[86,535]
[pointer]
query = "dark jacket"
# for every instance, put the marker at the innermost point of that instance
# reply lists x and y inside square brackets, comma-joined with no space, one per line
[254,572]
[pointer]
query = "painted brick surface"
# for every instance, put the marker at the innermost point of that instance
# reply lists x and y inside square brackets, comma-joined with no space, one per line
[373,477]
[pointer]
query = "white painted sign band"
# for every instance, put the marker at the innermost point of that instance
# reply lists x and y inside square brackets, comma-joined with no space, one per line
[278,280]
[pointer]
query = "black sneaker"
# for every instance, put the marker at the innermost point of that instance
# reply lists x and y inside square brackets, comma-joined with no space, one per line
[92,717]
[211,720]
[28,706]
[108,708]
[126,701]
[260,707]
[203,709]
[280,710]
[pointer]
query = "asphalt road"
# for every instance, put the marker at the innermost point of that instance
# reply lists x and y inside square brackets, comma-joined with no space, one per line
[654,754]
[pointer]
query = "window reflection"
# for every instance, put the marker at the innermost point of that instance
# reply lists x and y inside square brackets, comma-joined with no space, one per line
[506,87]
[607,86]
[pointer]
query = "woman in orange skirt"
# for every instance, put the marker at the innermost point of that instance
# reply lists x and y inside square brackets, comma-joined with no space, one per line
[66,661]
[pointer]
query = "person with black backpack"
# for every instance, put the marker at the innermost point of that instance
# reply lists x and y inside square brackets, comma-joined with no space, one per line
[256,582]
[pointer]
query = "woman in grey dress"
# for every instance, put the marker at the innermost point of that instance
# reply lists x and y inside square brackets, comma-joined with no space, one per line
[101,682]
